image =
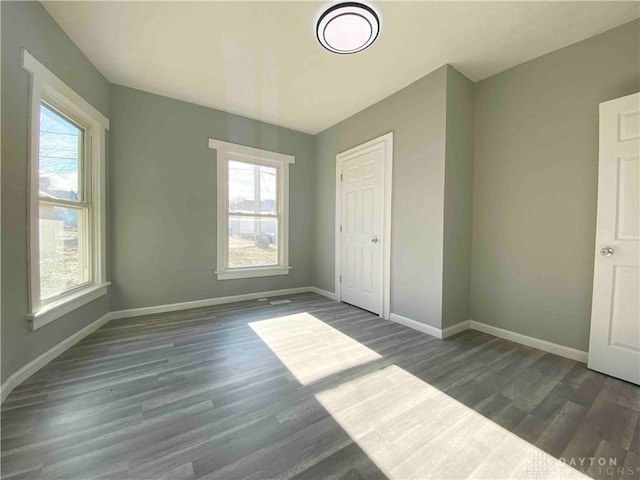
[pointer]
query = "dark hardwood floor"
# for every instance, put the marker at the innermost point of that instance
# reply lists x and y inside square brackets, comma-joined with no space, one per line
[312,389]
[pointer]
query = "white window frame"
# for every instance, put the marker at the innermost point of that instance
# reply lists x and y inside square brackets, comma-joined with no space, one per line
[230,151]
[47,88]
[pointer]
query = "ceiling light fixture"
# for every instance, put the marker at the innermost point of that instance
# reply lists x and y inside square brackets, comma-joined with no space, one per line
[348,27]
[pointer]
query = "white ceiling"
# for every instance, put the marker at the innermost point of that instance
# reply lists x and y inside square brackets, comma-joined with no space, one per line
[262,60]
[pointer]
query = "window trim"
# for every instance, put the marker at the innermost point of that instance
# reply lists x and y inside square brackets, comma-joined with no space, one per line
[47,88]
[281,162]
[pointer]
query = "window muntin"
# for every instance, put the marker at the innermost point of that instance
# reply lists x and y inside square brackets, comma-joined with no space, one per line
[64,205]
[253,214]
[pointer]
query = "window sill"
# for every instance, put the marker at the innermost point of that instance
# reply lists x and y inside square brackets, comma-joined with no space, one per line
[54,310]
[251,272]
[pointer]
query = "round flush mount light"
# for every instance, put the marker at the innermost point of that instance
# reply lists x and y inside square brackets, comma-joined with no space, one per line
[348,27]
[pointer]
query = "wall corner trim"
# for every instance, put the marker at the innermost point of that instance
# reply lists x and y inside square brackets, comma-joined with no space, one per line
[428,329]
[419,326]
[324,293]
[457,328]
[34,365]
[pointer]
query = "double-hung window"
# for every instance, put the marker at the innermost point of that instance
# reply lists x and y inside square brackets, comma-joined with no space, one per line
[66,198]
[252,223]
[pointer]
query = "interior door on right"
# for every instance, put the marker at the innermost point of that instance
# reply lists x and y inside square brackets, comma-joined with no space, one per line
[614,345]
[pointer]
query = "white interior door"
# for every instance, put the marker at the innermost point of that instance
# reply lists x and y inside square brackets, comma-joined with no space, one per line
[362,185]
[614,346]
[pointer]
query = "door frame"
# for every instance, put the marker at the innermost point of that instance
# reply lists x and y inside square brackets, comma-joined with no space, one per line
[386,141]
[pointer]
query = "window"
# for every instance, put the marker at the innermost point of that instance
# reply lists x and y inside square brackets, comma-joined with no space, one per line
[64,205]
[253,198]
[66,213]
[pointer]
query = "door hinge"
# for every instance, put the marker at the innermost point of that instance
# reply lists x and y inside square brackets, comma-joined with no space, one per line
[340,227]
[340,177]
[340,278]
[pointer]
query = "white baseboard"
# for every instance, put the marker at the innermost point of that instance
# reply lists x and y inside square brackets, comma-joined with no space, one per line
[324,293]
[419,326]
[457,328]
[208,302]
[544,345]
[428,329]
[34,365]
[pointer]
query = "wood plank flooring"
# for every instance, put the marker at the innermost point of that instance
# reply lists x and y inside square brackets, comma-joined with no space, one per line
[312,389]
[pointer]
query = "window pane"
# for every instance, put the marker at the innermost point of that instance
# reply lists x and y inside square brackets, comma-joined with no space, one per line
[62,249]
[60,156]
[248,182]
[252,241]
[268,190]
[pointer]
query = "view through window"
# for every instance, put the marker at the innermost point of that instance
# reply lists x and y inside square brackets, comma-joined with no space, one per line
[64,212]
[253,215]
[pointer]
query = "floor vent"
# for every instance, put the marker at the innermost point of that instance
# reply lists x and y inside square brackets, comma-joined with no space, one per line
[279,302]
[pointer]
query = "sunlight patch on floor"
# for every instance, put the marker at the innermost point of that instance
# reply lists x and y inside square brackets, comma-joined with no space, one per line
[408,428]
[311,349]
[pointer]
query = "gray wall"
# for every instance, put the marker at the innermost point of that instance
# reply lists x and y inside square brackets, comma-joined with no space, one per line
[535,185]
[163,209]
[457,199]
[416,116]
[28,25]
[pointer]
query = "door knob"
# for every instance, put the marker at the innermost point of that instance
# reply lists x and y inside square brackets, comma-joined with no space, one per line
[606,251]
[374,240]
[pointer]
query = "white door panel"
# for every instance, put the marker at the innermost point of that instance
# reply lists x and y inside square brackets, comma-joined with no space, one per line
[614,346]
[628,208]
